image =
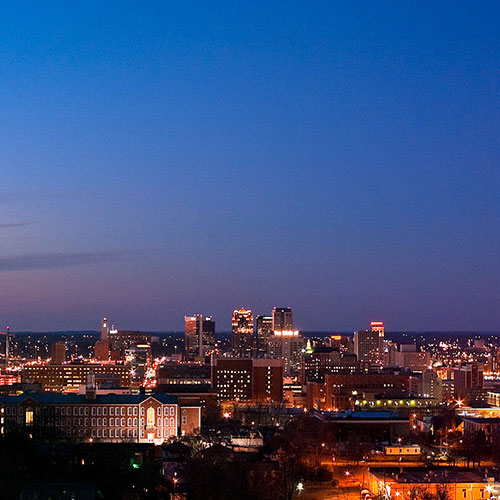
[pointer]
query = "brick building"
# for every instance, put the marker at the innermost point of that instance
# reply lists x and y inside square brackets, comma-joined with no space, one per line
[108,418]
[256,379]
[69,377]
[341,388]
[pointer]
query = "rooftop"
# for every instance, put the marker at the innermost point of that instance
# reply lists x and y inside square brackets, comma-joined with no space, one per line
[418,475]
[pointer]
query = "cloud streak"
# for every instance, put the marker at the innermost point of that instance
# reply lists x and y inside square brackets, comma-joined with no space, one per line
[43,262]
[16,224]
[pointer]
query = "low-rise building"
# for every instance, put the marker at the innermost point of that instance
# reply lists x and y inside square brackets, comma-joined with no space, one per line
[452,483]
[107,418]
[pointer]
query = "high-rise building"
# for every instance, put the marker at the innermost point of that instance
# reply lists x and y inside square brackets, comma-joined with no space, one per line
[288,345]
[242,333]
[58,353]
[282,319]
[378,326]
[104,329]
[248,379]
[264,333]
[367,346]
[199,336]
[101,350]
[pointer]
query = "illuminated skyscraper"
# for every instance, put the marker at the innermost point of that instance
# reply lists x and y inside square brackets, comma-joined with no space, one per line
[264,333]
[367,346]
[242,329]
[104,329]
[282,319]
[199,336]
[378,326]
[288,345]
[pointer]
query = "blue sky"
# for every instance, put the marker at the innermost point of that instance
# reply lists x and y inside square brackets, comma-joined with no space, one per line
[169,158]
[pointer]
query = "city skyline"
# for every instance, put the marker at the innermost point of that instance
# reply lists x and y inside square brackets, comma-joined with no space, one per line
[162,159]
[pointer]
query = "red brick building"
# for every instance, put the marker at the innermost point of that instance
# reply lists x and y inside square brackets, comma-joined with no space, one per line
[340,388]
[252,379]
[108,418]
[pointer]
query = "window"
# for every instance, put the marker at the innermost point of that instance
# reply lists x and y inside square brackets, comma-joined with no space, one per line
[184,420]
[142,421]
[123,424]
[142,410]
[123,410]
[135,410]
[104,411]
[29,416]
[159,411]
[111,411]
[86,422]
[93,422]
[98,422]
[129,422]
[165,411]
[172,410]
[129,410]
[104,433]
[151,416]
[111,433]
[75,410]
[105,422]
[464,493]
[86,410]
[98,433]
[135,422]
[93,410]
[98,410]
[172,423]
[135,433]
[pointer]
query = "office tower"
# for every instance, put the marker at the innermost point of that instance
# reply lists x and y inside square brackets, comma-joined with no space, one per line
[323,360]
[431,386]
[282,319]
[367,346]
[378,326]
[69,377]
[288,345]
[199,336]
[242,330]
[104,329]
[248,379]
[264,333]
[58,353]
[138,357]
[101,350]
[468,380]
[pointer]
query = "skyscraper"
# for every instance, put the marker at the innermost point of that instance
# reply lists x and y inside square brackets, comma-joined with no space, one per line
[288,345]
[282,319]
[242,330]
[104,329]
[367,346]
[57,353]
[199,336]
[378,326]
[264,333]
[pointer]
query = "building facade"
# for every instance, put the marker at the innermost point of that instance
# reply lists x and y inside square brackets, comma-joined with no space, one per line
[69,378]
[242,333]
[107,418]
[282,319]
[199,336]
[256,379]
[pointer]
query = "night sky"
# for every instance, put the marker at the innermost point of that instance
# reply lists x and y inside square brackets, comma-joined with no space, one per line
[159,159]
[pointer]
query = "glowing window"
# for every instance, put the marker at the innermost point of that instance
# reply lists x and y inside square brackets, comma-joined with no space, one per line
[151,416]
[29,416]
